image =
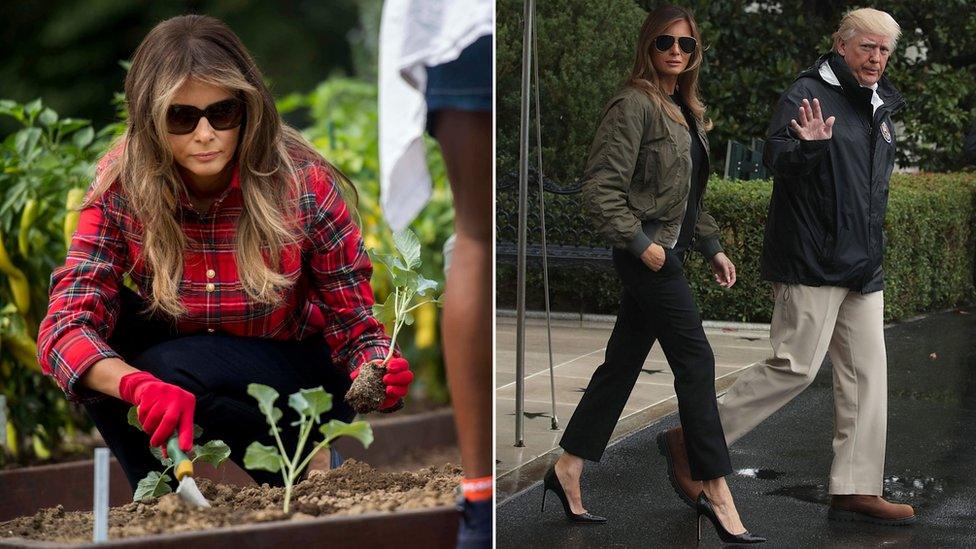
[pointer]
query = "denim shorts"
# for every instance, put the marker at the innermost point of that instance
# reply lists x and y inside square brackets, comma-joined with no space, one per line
[464,84]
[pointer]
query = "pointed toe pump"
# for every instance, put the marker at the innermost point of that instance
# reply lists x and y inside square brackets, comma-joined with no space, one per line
[705,509]
[552,483]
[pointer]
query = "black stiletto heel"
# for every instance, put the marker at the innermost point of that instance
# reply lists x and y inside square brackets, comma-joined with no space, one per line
[704,508]
[552,483]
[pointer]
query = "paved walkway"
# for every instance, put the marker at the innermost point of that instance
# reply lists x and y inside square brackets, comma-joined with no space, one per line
[578,349]
[782,465]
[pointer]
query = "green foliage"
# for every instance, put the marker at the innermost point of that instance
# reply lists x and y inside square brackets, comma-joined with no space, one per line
[929,259]
[40,164]
[309,404]
[157,483]
[754,50]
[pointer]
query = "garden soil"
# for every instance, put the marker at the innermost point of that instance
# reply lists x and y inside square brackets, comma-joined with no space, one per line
[352,489]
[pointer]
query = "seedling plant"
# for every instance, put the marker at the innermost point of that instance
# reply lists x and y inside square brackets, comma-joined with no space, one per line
[310,404]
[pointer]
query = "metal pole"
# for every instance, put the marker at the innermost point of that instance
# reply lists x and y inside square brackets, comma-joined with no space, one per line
[523,203]
[554,423]
[100,505]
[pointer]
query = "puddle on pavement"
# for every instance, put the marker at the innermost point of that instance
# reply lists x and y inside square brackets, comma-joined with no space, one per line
[761,474]
[917,491]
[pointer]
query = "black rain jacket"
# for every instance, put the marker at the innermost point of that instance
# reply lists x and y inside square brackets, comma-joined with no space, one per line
[824,226]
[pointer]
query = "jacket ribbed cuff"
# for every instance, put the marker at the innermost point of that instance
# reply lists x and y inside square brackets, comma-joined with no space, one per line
[709,247]
[638,243]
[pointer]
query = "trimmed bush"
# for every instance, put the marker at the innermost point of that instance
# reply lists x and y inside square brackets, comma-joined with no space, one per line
[929,262]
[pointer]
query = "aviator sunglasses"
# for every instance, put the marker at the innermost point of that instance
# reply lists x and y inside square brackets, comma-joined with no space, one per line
[665,41]
[222,115]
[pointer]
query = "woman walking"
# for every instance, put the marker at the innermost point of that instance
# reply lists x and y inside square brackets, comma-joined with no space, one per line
[643,188]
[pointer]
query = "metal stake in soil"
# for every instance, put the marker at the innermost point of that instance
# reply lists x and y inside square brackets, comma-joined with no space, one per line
[100,506]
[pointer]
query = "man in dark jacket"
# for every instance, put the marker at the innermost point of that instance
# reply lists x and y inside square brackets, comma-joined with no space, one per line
[831,148]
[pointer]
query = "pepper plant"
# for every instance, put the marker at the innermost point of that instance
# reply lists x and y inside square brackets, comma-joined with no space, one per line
[310,404]
[157,483]
[46,163]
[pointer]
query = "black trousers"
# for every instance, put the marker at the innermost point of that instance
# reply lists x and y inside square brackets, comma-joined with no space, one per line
[216,369]
[654,306]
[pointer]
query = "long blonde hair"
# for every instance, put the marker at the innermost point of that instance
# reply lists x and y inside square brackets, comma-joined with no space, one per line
[645,78]
[205,49]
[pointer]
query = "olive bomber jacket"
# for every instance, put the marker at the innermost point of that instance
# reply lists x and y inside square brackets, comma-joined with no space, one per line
[638,176]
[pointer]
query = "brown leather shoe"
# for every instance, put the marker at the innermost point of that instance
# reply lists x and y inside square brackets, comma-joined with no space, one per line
[873,509]
[671,443]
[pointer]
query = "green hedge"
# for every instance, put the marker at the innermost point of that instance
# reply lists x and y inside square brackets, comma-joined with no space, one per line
[929,263]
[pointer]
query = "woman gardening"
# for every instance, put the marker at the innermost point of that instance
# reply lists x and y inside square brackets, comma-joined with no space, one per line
[247,265]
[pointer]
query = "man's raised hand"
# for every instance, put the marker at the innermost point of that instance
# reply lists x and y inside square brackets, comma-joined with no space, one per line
[811,125]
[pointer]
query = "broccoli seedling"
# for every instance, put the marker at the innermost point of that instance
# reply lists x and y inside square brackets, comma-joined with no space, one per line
[156,483]
[368,391]
[310,405]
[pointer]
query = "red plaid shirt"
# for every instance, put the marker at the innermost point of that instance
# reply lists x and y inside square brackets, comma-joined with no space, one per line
[332,295]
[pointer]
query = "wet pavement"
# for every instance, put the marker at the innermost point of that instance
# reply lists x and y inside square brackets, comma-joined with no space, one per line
[782,466]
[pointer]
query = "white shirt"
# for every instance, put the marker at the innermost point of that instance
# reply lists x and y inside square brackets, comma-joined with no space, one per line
[828,75]
[416,34]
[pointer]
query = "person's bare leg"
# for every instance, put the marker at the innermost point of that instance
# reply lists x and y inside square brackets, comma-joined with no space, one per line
[465,140]
[718,493]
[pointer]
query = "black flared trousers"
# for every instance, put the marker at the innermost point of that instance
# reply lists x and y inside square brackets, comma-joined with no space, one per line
[217,370]
[654,306]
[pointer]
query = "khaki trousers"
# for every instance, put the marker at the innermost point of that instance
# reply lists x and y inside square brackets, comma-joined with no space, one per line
[809,322]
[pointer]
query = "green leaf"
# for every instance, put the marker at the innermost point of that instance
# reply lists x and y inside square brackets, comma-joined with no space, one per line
[404,278]
[314,402]
[359,430]
[385,312]
[389,261]
[48,117]
[213,452]
[197,431]
[157,452]
[266,397]
[33,108]
[409,247]
[425,284]
[83,137]
[298,403]
[154,485]
[260,456]
[408,319]
[133,418]
[26,140]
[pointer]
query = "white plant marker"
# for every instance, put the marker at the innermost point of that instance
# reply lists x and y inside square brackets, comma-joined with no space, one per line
[100,507]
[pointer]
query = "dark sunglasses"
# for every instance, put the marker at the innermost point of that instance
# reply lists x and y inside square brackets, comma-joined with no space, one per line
[665,41]
[222,115]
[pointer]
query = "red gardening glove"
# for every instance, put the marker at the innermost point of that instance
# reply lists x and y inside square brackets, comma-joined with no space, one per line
[163,408]
[397,379]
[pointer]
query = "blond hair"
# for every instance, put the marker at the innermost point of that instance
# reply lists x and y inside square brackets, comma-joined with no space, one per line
[867,21]
[206,50]
[644,77]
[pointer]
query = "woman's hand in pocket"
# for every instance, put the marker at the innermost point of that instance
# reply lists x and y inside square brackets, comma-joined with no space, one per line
[653,257]
[723,269]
